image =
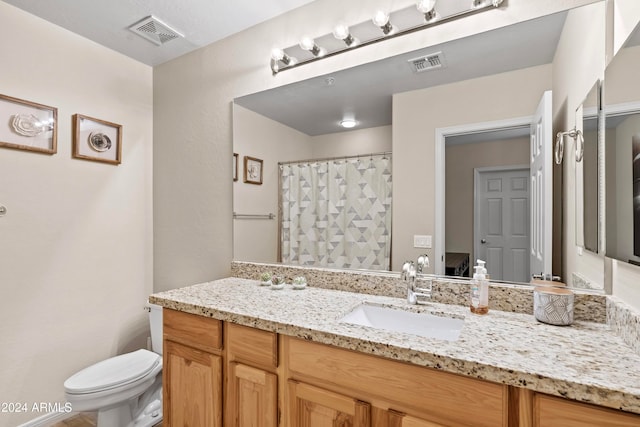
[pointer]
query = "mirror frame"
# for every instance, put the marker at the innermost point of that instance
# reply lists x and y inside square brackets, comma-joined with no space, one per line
[615,109]
[582,115]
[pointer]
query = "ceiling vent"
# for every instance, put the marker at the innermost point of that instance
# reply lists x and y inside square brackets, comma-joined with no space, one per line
[427,62]
[155,30]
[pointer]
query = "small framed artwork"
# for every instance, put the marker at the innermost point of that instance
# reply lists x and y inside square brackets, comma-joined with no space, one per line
[96,140]
[252,170]
[235,166]
[25,125]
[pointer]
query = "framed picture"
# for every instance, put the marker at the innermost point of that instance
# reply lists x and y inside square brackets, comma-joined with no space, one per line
[96,140]
[252,170]
[235,166]
[25,125]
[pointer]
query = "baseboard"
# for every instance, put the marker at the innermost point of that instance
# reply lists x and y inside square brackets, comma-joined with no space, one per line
[47,420]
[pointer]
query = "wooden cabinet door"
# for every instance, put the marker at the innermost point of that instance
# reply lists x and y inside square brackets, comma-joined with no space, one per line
[254,395]
[311,406]
[555,411]
[192,387]
[397,419]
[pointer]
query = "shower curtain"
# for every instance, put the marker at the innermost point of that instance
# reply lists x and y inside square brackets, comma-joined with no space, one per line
[337,213]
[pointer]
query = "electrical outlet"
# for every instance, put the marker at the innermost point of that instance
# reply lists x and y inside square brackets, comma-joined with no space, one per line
[422,241]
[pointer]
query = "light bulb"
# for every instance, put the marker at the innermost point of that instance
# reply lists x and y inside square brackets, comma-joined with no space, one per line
[277,54]
[348,123]
[307,43]
[381,18]
[341,32]
[425,6]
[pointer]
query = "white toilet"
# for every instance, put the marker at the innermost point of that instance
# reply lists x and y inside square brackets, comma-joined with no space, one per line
[126,390]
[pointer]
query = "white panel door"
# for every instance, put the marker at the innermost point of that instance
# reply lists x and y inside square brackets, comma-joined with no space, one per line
[541,188]
[502,226]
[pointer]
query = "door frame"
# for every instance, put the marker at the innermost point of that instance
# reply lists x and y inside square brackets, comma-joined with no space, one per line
[441,134]
[476,218]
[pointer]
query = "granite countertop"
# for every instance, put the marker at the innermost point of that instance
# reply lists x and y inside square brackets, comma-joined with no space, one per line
[586,361]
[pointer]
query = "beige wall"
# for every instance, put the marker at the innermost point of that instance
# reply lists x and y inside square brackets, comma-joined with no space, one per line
[626,15]
[76,242]
[192,120]
[461,160]
[257,136]
[414,149]
[352,143]
[582,47]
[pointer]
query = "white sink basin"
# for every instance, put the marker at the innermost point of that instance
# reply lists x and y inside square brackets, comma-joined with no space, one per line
[396,320]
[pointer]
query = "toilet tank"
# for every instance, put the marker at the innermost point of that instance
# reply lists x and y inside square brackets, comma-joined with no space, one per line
[155,323]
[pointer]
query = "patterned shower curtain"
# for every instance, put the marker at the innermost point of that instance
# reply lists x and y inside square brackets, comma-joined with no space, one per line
[337,213]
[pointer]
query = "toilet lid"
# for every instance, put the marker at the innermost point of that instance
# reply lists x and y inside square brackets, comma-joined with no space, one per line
[113,372]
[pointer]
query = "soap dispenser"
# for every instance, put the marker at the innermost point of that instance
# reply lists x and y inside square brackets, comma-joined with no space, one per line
[480,289]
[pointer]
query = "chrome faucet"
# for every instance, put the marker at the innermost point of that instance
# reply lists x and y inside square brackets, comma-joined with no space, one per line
[410,272]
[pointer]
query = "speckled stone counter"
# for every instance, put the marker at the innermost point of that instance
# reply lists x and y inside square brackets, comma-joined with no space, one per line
[589,306]
[586,362]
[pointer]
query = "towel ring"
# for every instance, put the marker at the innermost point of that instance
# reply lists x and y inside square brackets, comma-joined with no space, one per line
[558,150]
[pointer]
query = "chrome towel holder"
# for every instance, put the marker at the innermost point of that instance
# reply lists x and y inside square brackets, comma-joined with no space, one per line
[558,150]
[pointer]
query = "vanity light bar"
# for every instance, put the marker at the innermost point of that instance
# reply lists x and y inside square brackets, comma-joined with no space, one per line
[398,23]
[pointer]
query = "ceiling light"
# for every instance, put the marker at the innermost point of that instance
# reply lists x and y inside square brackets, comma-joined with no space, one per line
[348,123]
[477,3]
[278,54]
[280,61]
[307,43]
[341,32]
[427,7]
[381,19]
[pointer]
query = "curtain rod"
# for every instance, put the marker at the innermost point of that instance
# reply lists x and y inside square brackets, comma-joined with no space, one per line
[326,159]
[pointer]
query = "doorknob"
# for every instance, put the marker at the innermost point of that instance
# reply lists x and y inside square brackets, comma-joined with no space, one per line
[483,241]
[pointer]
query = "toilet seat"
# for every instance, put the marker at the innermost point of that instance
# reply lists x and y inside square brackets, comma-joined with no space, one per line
[113,373]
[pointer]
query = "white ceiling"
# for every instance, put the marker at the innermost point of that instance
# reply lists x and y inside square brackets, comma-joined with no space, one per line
[202,22]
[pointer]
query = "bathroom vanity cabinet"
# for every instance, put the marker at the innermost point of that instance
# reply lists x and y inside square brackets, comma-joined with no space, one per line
[268,376]
[554,411]
[254,377]
[272,380]
[192,370]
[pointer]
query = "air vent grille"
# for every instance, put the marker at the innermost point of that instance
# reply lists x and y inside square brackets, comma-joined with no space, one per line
[427,62]
[155,30]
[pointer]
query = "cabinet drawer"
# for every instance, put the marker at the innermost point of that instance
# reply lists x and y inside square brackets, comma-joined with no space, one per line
[430,394]
[554,411]
[252,345]
[190,329]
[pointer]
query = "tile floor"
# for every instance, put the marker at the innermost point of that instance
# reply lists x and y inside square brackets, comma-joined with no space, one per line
[84,419]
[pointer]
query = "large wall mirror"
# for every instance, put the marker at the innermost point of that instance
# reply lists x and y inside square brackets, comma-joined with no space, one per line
[488,86]
[622,140]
